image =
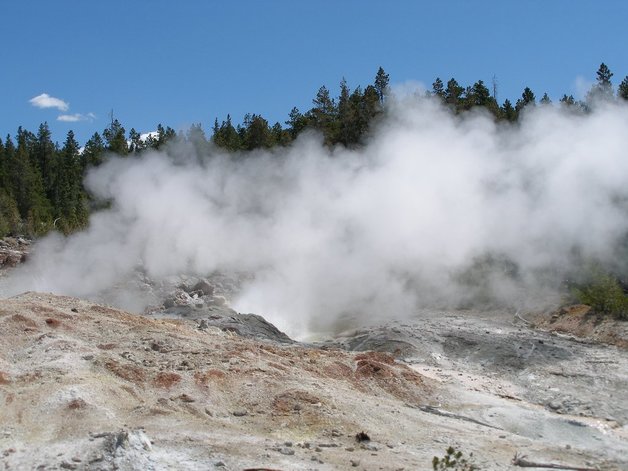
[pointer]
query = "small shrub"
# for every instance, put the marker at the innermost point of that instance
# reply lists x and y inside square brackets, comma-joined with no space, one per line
[454,459]
[604,294]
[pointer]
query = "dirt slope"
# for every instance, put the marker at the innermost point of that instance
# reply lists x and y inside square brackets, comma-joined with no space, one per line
[73,374]
[84,386]
[581,321]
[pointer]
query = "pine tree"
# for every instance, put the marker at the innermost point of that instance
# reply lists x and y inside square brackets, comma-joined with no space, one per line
[567,100]
[28,186]
[604,76]
[508,112]
[453,94]
[116,139]
[527,99]
[479,95]
[381,84]
[136,143]
[4,168]
[93,153]
[46,160]
[9,214]
[164,135]
[323,115]
[482,95]
[280,136]
[10,164]
[297,122]
[545,99]
[216,127]
[370,107]
[256,133]
[345,121]
[70,209]
[622,90]
[438,89]
[361,108]
[603,89]
[226,136]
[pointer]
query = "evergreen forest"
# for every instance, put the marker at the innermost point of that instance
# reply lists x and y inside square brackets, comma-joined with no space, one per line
[41,180]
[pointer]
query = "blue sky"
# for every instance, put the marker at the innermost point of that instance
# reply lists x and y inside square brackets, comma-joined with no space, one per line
[185,62]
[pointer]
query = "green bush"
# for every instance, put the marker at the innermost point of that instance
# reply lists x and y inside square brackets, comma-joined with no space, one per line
[604,294]
[455,460]
[9,215]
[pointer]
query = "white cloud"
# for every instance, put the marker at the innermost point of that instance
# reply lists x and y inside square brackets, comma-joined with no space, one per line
[46,101]
[73,118]
[146,135]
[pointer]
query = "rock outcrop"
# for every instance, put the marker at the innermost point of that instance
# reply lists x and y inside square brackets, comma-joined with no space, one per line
[13,251]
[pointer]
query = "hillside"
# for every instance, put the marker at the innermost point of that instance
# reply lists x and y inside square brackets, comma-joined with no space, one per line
[84,386]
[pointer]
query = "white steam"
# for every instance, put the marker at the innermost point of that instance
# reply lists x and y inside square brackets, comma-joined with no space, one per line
[370,233]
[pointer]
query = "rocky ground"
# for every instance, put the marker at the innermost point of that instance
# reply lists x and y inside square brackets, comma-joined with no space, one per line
[558,389]
[580,321]
[195,385]
[85,386]
[89,387]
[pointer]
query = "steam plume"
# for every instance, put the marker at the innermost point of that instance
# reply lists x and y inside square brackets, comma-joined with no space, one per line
[434,210]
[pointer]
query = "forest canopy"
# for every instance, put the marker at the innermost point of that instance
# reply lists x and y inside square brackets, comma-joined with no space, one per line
[41,181]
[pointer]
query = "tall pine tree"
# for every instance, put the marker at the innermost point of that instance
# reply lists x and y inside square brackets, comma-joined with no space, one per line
[116,138]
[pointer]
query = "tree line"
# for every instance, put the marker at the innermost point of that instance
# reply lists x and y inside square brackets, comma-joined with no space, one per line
[41,182]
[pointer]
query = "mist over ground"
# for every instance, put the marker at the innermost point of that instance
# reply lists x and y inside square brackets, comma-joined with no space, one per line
[435,210]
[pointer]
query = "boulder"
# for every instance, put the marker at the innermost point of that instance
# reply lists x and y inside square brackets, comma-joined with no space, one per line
[228,320]
[203,288]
